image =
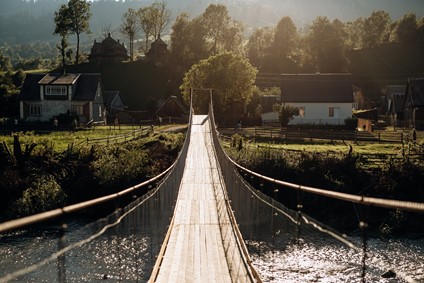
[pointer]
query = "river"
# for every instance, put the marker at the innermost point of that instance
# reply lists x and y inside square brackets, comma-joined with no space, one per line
[125,253]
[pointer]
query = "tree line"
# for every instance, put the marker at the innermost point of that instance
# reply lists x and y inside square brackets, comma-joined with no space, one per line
[203,47]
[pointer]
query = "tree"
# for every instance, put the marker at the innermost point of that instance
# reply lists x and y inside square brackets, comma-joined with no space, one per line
[153,20]
[375,29]
[130,27]
[211,33]
[285,113]
[326,45]
[420,30]
[79,16]
[5,63]
[285,44]
[63,25]
[232,79]
[355,33]
[222,32]
[161,18]
[406,29]
[259,47]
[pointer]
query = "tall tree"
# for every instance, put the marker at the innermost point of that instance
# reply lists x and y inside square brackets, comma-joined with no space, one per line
[327,45]
[63,25]
[355,33]
[130,27]
[79,16]
[259,47]
[230,76]
[161,18]
[376,28]
[222,32]
[420,30]
[406,29]
[285,44]
[146,18]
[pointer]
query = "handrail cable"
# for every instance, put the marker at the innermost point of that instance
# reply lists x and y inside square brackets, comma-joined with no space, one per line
[48,215]
[379,202]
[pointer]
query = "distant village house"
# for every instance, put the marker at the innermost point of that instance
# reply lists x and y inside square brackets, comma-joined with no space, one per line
[320,98]
[45,96]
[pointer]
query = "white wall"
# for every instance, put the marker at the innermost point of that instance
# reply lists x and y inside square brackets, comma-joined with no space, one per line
[318,113]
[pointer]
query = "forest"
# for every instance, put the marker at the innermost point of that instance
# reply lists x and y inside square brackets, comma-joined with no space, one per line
[376,49]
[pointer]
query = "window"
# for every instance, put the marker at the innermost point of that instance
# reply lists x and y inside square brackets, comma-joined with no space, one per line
[100,111]
[77,109]
[301,111]
[334,112]
[55,90]
[35,110]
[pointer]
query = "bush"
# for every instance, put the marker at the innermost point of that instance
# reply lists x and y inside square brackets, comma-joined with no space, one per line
[43,194]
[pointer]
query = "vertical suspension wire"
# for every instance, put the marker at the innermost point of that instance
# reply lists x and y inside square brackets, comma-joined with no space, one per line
[363,227]
[61,263]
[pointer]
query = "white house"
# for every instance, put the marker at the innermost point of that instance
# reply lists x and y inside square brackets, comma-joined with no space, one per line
[320,98]
[44,96]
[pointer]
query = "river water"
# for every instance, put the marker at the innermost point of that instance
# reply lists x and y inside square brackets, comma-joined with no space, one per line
[125,253]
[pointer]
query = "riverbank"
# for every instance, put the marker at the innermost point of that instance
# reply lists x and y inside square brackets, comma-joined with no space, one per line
[399,179]
[36,178]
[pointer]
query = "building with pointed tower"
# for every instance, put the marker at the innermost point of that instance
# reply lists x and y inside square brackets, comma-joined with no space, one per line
[108,50]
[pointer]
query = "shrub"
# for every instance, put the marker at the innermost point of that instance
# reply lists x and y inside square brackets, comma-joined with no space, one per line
[43,194]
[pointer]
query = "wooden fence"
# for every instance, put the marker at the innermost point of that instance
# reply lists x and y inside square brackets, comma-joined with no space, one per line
[257,133]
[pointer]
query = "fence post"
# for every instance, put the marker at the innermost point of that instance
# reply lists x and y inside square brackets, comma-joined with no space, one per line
[401,137]
[379,136]
[254,139]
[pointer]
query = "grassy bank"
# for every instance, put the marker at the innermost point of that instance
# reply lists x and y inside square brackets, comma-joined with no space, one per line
[35,177]
[321,165]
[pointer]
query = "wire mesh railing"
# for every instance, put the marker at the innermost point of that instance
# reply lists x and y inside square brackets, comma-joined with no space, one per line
[122,246]
[287,245]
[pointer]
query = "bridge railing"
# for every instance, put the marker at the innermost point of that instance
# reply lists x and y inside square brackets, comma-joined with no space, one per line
[146,219]
[269,227]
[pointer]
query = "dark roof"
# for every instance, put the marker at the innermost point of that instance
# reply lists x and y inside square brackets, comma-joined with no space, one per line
[30,89]
[173,99]
[109,48]
[59,79]
[316,88]
[158,42]
[416,86]
[109,96]
[396,103]
[86,85]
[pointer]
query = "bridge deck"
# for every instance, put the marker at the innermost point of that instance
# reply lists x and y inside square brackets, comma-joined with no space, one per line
[195,252]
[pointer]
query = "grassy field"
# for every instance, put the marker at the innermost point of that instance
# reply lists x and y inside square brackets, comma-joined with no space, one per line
[360,148]
[323,146]
[60,140]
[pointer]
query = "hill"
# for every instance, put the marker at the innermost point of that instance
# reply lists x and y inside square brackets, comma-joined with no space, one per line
[32,20]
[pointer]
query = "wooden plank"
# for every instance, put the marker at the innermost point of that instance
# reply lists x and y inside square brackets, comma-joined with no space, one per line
[195,251]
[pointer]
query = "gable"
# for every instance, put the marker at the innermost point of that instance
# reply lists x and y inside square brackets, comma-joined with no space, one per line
[30,89]
[171,106]
[317,88]
[85,86]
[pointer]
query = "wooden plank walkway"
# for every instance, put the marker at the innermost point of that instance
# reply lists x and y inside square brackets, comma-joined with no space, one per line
[195,251]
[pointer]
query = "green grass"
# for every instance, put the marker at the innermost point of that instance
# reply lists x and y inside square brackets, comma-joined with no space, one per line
[362,148]
[60,140]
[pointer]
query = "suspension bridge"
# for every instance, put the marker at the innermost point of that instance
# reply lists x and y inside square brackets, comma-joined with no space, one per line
[200,221]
